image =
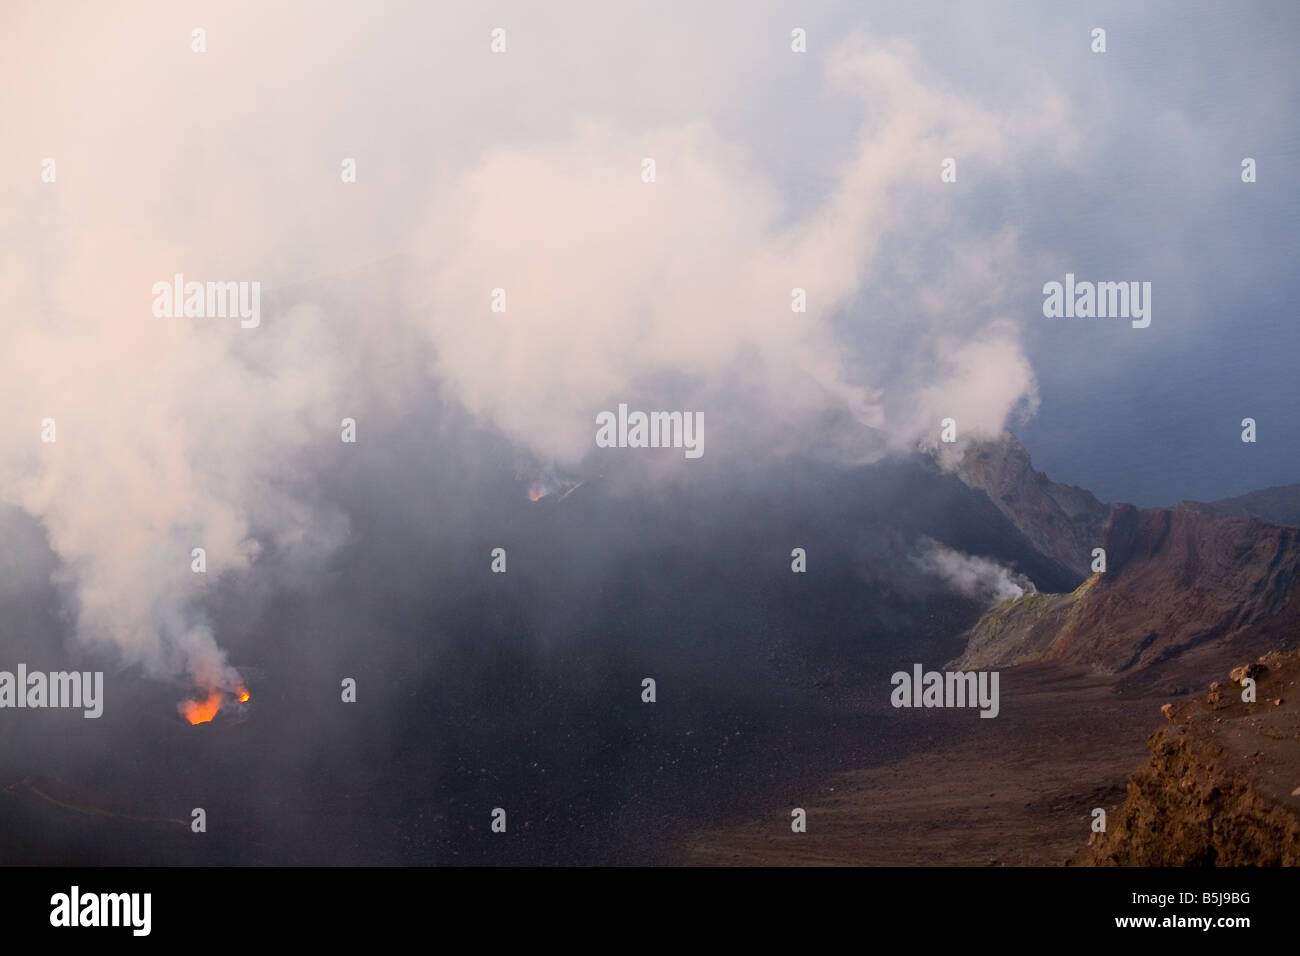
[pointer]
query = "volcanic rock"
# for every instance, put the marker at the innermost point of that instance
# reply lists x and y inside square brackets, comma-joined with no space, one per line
[1062,521]
[1218,788]
[1183,587]
[1279,505]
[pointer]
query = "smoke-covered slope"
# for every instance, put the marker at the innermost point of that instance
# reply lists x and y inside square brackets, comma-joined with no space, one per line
[523,689]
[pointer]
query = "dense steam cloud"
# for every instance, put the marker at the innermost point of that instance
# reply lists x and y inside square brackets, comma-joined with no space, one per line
[179,433]
[614,284]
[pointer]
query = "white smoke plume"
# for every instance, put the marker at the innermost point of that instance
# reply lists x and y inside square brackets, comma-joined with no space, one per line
[180,433]
[975,577]
[611,281]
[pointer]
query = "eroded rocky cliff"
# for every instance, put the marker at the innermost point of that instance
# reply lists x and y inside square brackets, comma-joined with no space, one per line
[1222,785]
[1062,521]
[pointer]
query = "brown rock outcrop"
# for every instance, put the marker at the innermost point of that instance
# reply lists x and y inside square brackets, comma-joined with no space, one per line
[1220,787]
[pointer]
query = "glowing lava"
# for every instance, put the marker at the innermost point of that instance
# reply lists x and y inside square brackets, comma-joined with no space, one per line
[201,711]
[242,695]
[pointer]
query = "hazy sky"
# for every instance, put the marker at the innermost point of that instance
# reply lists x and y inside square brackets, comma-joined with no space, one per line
[1161,123]
[523,170]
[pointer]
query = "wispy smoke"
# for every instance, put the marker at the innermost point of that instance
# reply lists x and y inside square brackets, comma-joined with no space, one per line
[969,575]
